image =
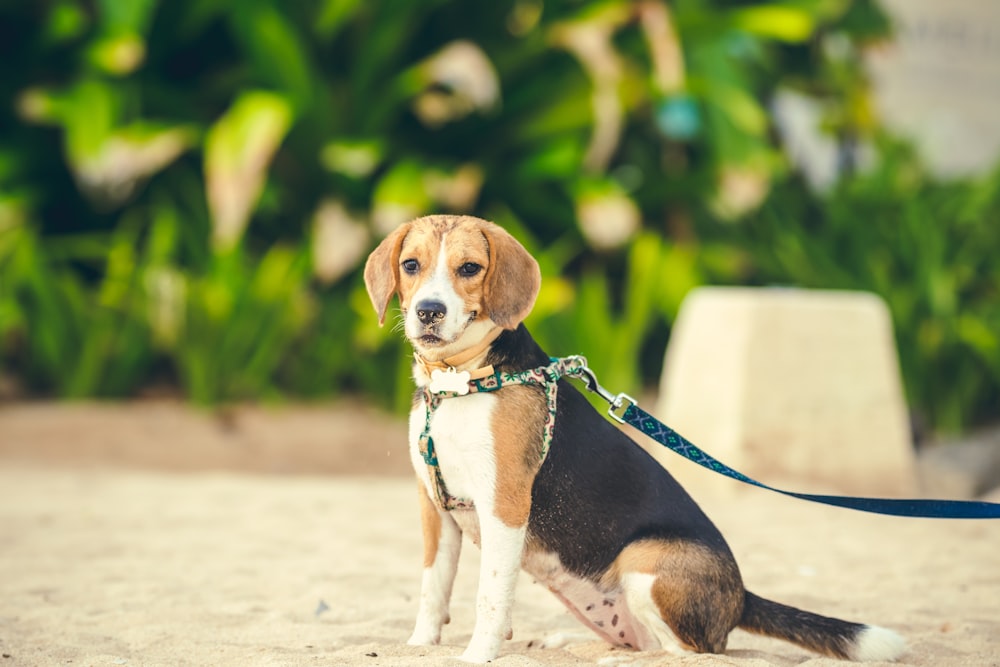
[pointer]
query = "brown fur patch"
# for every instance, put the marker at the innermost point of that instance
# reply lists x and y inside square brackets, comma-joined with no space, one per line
[642,556]
[430,522]
[512,279]
[518,424]
[698,591]
[382,271]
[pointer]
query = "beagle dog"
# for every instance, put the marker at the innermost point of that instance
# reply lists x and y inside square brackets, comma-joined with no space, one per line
[520,462]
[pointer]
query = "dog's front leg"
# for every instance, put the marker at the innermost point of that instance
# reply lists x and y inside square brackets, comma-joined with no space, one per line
[502,548]
[442,545]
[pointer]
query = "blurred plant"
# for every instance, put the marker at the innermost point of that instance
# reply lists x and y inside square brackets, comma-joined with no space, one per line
[241,320]
[195,185]
[238,151]
[77,340]
[928,248]
[656,276]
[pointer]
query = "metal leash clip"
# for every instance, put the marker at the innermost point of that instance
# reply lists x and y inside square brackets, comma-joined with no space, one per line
[619,403]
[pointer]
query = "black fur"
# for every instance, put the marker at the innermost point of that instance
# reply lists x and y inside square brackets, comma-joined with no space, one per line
[591,461]
[597,491]
[823,634]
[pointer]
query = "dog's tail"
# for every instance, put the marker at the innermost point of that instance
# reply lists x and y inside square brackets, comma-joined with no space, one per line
[829,636]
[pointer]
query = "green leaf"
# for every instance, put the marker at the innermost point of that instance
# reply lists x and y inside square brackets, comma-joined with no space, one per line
[89,113]
[399,195]
[276,49]
[785,23]
[120,47]
[333,16]
[126,15]
[741,108]
[238,149]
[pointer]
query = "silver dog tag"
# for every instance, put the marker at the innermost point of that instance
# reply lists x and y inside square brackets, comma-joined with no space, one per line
[450,381]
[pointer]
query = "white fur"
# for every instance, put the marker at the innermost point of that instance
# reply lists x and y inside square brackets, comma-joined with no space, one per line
[467,462]
[502,547]
[436,585]
[875,644]
[465,453]
[654,633]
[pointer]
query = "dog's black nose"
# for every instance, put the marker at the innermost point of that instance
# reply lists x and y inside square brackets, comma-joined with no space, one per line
[429,311]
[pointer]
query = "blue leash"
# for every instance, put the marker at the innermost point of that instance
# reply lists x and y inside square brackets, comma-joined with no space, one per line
[624,409]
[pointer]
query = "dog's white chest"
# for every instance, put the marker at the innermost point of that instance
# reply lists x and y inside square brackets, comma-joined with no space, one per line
[463,445]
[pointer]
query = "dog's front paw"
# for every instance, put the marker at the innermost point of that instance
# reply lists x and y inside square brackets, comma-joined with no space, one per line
[477,657]
[424,637]
[427,629]
[480,650]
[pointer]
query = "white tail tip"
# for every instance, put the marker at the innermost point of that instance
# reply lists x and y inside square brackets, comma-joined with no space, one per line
[874,643]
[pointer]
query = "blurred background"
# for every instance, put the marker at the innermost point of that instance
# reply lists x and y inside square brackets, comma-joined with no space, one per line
[189,189]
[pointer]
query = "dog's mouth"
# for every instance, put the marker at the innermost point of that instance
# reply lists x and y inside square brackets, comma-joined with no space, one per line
[430,335]
[430,339]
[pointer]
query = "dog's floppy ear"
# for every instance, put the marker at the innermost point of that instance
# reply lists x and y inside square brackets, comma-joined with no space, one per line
[512,279]
[382,271]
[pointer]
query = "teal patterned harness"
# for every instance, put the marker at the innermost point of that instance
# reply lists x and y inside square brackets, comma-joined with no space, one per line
[546,377]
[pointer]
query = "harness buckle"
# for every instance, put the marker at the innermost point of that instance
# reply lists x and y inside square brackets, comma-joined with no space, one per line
[620,406]
[618,403]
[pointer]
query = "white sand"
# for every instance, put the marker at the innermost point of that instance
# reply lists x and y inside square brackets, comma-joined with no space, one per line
[111,566]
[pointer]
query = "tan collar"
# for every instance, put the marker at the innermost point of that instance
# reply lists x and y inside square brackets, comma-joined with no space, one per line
[466,355]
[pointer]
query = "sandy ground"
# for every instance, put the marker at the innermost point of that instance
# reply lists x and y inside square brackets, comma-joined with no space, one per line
[112,557]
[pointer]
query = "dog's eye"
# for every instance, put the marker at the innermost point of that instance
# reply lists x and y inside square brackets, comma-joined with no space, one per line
[469,269]
[411,266]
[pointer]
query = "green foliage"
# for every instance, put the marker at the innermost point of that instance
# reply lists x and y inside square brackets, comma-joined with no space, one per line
[188,189]
[928,248]
[657,275]
[77,340]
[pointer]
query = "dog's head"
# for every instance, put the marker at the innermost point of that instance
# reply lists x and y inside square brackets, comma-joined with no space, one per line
[457,277]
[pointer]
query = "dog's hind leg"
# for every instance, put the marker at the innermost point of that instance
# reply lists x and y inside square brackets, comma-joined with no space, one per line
[684,596]
[442,545]
[653,632]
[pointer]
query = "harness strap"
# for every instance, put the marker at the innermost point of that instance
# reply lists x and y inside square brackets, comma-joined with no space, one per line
[545,376]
